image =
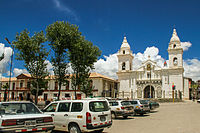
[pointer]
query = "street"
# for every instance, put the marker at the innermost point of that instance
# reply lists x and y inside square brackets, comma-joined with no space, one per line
[168,118]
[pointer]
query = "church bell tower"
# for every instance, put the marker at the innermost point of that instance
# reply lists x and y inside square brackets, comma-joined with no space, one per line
[175,52]
[125,57]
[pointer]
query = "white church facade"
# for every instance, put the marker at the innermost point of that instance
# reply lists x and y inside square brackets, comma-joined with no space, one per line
[151,80]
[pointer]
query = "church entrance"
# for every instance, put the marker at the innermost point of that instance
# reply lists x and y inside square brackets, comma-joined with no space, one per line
[147,92]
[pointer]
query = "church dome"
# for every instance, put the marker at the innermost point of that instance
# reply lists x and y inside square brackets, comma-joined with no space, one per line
[125,43]
[174,37]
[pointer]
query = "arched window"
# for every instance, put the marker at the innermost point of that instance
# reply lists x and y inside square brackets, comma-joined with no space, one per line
[174,45]
[123,66]
[175,61]
[123,51]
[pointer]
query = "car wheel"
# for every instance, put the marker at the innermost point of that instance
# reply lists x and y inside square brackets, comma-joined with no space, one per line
[125,117]
[113,115]
[73,128]
[141,114]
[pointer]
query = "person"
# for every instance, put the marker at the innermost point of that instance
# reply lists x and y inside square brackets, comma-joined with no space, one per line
[193,96]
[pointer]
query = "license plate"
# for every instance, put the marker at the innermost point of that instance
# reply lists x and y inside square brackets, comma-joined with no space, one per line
[102,118]
[30,123]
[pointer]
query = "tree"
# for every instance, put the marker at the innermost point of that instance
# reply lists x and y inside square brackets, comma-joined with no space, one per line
[62,36]
[82,57]
[31,50]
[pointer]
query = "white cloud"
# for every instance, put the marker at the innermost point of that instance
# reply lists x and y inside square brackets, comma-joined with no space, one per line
[107,67]
[191,67]
[65,9]
[185,45]
[49,67]
[18,71]
[7,55]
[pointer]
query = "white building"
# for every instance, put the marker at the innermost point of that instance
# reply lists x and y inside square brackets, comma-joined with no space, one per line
[150,80]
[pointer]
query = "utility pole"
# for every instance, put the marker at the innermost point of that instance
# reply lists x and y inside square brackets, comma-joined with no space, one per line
[10,67]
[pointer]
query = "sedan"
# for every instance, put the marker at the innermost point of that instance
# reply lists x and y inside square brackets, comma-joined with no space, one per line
[23,117]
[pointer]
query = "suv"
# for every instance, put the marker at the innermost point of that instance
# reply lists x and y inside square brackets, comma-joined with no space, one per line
[140,106]
[76,116]
[23,117]
[121,108]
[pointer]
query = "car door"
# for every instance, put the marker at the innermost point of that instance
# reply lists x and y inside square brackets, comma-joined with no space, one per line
[62,116]
[51,110]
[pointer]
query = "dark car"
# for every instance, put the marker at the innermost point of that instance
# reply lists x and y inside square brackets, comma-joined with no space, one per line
[152,104]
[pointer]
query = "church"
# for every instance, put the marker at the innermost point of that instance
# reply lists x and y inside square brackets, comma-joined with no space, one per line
[151,80]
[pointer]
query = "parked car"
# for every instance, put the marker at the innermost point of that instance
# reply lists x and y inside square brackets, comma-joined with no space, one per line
[152,104]
[23,117]
[140,106]
[76,116]
[121,108]
[198,101]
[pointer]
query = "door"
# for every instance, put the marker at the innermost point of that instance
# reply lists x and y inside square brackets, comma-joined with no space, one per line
[45,97]
[78,96]
[51,109]
[62,115]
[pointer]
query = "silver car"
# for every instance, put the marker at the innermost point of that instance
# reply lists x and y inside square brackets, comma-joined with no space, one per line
[23,117]
[140,106]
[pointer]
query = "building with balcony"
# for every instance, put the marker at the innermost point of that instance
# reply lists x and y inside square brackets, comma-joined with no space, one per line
[20,88]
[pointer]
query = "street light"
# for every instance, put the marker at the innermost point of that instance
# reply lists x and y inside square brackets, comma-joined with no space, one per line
[10,65]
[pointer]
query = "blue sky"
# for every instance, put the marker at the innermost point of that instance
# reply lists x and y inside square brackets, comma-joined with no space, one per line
[145,23]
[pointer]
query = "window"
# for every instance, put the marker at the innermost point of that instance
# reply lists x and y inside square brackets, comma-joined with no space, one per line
[113,103]
[125,103]
[148,75]
[13,86]
[98,106]
[67,95]
[67,85]
[174,45]
[56,85]
[64,107]
[28,85]
[55,95]
[123,51]
[175,61]
[51,108]
[77,107]
[21,84]
[123,66]
[134,102]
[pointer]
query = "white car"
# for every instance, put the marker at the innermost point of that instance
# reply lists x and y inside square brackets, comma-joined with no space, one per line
[76,116]
[23,117]
[121,108]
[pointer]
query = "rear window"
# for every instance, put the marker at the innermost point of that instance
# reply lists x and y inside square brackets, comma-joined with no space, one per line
[113,103]
[133,102]
[98,106]
[125,103]
[143,102]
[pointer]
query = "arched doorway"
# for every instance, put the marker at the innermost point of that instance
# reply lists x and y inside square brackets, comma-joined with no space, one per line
[147,92]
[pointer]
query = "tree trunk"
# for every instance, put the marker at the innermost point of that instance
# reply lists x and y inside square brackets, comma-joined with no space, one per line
[36,95]
[58,98]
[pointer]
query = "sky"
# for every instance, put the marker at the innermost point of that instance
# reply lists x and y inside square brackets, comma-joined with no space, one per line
[147,24]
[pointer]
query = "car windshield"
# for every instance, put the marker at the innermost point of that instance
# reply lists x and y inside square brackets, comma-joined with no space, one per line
[18,108]
[125,103]
[143,101]
[98,106]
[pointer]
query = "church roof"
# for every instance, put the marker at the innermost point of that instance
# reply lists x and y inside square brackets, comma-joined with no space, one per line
[174,37]
[125,43]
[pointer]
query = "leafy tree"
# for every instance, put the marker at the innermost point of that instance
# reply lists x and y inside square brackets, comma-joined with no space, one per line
[82,57]
[31,50]
[62,36]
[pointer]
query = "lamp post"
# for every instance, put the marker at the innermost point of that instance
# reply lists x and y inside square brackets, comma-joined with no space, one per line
[10,66]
